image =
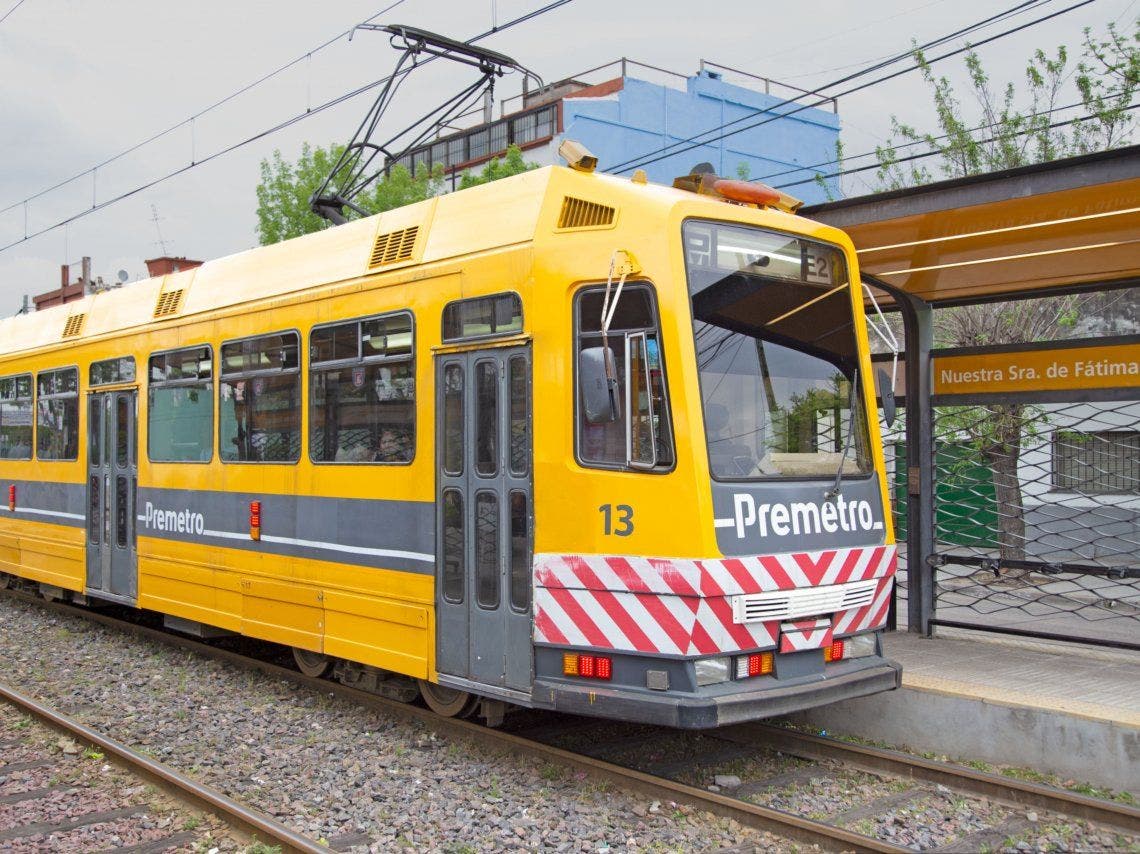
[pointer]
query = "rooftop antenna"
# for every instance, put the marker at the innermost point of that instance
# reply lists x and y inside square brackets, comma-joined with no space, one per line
[155,219]
[354,171]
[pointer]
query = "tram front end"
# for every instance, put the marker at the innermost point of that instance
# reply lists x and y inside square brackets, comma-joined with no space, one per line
[787,612]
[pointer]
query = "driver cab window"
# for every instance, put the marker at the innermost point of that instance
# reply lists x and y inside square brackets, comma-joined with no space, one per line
[622,406]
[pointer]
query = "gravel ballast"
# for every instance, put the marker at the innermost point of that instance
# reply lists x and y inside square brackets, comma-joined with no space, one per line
[56,795]
[326,767]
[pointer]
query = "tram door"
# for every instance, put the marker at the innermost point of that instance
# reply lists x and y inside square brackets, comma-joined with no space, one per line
[484,517]
[112,475]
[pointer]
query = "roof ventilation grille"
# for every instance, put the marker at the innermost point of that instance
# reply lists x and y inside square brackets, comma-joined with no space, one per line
[578,213]
[169,302]
[394,246]
[74,325]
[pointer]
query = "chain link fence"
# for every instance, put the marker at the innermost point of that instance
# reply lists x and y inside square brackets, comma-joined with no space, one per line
[1036,518]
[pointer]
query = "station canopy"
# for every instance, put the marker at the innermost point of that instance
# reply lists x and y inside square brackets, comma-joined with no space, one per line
[1060,225]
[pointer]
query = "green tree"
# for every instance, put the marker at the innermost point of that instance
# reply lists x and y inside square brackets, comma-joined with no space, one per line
[284,191]
[511,164]
[1107,77]
[1011,130]
[1014,129]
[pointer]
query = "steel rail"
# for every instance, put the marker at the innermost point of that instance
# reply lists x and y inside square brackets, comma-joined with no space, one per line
[995,786]
[828,837]
[875,759]
[250,822]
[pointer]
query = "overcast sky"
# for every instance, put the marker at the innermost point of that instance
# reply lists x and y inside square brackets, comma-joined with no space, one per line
[82,81]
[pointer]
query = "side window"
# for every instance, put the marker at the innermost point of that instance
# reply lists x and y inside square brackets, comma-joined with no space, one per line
[362,394]
[482,317]
[16,417]
[180,406]
[260,399]
[110,371]
[622,406]
[57,414]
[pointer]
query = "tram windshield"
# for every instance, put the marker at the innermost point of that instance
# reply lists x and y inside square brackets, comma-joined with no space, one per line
[777,354]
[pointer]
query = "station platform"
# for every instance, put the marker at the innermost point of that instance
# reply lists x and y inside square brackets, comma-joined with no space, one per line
[1066,709]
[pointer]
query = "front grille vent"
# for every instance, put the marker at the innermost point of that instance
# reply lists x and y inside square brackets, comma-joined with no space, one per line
[74,325]
[394,246]
[803,601]
[578,213]
[169,302]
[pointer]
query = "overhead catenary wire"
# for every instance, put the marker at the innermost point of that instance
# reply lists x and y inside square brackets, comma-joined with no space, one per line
[305,57]
[289,122]
[722,131]
[874,65]
[815,168]
[932,153]
[19,3]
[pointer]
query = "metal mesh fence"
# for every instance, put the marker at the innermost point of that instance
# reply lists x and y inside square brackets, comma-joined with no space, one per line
[1037,519]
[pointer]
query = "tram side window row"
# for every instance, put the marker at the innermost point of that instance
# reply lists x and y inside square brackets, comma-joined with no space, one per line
[361,407]
[56,416]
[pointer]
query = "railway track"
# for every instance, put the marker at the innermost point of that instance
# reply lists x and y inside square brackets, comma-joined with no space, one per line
[82,790]
[872,790]
[677,768]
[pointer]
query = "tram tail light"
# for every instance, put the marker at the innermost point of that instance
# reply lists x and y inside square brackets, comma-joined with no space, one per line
[605,668]
[588,666]
[834,652]
[255,520]
[12,497]
[756,664]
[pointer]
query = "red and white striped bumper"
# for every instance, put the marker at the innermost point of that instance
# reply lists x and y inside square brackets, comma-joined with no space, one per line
[704,607]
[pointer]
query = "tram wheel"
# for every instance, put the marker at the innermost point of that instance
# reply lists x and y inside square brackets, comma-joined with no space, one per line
[448,702]
[313,664]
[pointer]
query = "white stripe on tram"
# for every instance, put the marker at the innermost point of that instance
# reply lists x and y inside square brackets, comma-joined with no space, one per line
[421,557]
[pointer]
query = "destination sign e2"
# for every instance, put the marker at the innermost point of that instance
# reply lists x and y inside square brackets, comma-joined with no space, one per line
[1057,369]
[727,248]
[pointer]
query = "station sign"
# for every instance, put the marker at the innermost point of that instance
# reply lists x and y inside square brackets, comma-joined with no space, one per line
[1055,369]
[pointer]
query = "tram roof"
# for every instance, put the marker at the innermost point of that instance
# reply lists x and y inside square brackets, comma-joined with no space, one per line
[507,214]
[1072,223]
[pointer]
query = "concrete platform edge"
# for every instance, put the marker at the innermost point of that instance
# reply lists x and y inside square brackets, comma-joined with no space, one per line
[1105,753]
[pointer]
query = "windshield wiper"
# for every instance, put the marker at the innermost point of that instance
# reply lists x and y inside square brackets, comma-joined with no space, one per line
[836,488]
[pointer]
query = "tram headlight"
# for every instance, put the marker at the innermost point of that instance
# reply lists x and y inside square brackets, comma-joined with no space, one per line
[710,671]
[859,646]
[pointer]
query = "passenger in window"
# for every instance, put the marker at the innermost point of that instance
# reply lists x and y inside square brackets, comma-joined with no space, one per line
[395,446]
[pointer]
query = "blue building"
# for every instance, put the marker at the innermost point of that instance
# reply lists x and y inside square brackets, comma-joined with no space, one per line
[665,125]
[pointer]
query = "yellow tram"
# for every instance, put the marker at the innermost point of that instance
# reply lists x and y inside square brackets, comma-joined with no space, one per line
[565,440]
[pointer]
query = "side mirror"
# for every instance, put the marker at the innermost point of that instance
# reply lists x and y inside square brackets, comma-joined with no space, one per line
[598,381]
[887,395]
